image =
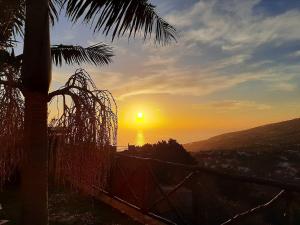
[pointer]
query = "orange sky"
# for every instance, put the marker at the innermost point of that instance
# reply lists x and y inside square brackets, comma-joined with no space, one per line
[164,118]
[232,68]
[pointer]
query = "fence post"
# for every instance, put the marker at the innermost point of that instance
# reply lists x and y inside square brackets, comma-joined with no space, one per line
[145,198]
[289,213]
[112,158]
[195,200]
[200,195]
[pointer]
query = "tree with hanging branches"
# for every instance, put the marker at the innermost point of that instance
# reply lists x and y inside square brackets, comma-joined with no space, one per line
[83,135]
[28,81]
[12,101]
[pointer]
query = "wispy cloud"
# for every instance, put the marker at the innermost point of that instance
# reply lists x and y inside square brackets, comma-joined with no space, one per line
[181,84]
[233,24]
[237,104]
[284,87]
[222,44]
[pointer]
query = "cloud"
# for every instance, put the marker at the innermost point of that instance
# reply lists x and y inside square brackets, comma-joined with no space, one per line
[222,44]
[181,83]
[157,60]
[237,104]
[295,54]
[287,87]
[234,25]
[231,35]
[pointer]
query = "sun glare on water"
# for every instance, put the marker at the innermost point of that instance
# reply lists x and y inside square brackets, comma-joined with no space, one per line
[142,121]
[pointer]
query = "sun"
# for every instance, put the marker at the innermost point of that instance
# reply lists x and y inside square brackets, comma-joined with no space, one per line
[140,115]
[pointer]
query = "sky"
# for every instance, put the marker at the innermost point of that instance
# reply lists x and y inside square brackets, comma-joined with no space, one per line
[235,66]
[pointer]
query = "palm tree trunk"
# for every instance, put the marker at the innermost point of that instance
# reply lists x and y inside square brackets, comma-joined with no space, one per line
[35,165]
[36,75]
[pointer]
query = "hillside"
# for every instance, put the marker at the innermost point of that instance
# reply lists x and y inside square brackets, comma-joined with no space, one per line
[271,151]
[280,135]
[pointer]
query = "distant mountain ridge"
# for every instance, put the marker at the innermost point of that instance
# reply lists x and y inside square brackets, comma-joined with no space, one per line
[270,136]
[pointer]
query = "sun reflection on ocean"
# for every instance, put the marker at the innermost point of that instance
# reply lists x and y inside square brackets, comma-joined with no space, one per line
[140,139]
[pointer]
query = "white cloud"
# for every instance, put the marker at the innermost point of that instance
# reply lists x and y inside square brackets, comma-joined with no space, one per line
[238,104]
[284,86]
[157,60]
[217,41]
[233,25]
[182,83]
[295,54]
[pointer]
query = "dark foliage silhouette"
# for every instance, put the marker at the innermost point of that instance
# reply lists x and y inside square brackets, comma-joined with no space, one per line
[169,150]
[126,17]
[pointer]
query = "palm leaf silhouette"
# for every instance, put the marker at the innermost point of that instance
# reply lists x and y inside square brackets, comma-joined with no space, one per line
[98,54]
[119,17]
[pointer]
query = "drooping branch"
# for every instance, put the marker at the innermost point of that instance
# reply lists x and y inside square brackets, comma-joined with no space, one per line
[89,115]
[85,132]
[11,122]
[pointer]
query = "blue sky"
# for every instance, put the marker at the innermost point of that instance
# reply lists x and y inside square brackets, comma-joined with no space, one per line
[235,61]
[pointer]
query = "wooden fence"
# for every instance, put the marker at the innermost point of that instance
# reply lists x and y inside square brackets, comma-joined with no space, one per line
[172,193]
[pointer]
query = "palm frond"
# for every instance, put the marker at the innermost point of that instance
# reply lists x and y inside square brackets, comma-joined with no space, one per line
[12,17]
[121,17]
[54,7]
[98,54]
[19,20]
[9,59]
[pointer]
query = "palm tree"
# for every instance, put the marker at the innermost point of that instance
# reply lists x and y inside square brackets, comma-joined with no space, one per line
[126,17]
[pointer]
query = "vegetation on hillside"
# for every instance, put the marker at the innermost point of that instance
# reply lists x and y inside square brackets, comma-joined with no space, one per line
[169,150]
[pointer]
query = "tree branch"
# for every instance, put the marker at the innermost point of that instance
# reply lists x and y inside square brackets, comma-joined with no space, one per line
[66,91]
[90,116]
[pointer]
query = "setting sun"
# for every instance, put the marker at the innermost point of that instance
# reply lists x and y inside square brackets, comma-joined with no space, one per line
[148,111]
[140,115]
